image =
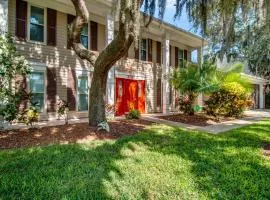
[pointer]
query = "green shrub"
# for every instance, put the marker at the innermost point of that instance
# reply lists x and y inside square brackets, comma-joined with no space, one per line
[133,114]
[185,104]
[29,116]
[12,66]
[230,101]
[62,109]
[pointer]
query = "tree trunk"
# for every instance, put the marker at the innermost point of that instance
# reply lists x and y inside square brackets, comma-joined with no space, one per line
[192,98]
[97,98]
[128,30]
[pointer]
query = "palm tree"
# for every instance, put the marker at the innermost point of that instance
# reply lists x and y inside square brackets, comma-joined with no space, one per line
[192,80]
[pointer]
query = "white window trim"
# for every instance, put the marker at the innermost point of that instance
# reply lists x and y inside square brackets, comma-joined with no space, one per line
[39,67]
[29,22]
[182,58]
[78,74]
[146,57]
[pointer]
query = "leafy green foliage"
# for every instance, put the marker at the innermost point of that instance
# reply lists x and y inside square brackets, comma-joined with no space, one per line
[62,109]
[11,66]
[192,80]
[29,116]
[257,52]
[159,163]
[233,94]
[185,104]
[133,114]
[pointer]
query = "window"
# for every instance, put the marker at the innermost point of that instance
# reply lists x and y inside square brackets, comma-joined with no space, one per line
[84,36]
[82,93]
[37,88]
[180,57]
[143,49]
[194,56]
[37,24]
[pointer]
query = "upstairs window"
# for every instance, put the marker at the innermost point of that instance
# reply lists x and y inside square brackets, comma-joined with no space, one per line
[180,57]
[37,87]
[143,50]
[82,93]
[37,24]
[85,36]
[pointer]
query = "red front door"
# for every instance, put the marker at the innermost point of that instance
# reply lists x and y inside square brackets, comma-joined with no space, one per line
[130,94]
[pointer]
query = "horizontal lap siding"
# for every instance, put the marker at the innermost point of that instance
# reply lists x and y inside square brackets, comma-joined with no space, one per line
[58,57]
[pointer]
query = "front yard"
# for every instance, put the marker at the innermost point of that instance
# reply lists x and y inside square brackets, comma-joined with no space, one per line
[161,162]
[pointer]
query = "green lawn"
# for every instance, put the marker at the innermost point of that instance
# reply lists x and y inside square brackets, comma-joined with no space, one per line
[159,163]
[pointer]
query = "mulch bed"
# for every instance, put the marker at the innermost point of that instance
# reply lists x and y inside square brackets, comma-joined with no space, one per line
[197,119]
[65,134]
[266,149]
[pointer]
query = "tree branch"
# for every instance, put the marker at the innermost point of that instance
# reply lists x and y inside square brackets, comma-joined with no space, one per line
[82,17]
[127,31]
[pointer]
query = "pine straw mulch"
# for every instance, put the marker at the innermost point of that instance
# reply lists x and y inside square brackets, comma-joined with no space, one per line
[65,134]
[199,119]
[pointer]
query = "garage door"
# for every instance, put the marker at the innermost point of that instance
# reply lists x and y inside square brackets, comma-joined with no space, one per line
[130,94]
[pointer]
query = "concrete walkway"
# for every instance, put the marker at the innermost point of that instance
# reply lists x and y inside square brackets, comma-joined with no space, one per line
[252,116]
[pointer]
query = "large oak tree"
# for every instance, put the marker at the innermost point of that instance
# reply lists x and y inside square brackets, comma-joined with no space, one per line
[128,12]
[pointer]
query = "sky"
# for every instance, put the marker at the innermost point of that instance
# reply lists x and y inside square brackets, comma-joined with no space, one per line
[181,22]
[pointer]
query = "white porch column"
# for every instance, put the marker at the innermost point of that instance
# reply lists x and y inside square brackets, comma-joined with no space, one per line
[262,96]
[111,77]
[3,16]
[165,75]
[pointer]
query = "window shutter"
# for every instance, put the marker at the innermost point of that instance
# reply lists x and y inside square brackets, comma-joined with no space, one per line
[51,27]
[176,57]
[51,89]
[94,36]
[70,19]
[137,53]
[159,52]
[185,55]
[71,90]
[149,50]
[21,19]
[159,93]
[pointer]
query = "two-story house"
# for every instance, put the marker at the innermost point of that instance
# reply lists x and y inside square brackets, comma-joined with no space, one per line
[140,80]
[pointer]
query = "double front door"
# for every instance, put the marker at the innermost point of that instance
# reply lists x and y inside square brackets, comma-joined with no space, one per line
[130,94]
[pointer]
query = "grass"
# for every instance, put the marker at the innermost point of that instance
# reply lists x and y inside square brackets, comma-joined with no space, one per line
[159,163]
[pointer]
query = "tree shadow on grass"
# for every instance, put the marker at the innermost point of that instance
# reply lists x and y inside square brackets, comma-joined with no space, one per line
[226,166]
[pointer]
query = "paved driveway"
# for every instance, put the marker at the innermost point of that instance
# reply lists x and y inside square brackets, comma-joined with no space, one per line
[252,116]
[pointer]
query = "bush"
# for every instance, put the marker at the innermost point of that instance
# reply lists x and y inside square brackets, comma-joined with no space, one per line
[29,116]
[230,101]
[133,114]
[185,105]
[12,66]
[62,110]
